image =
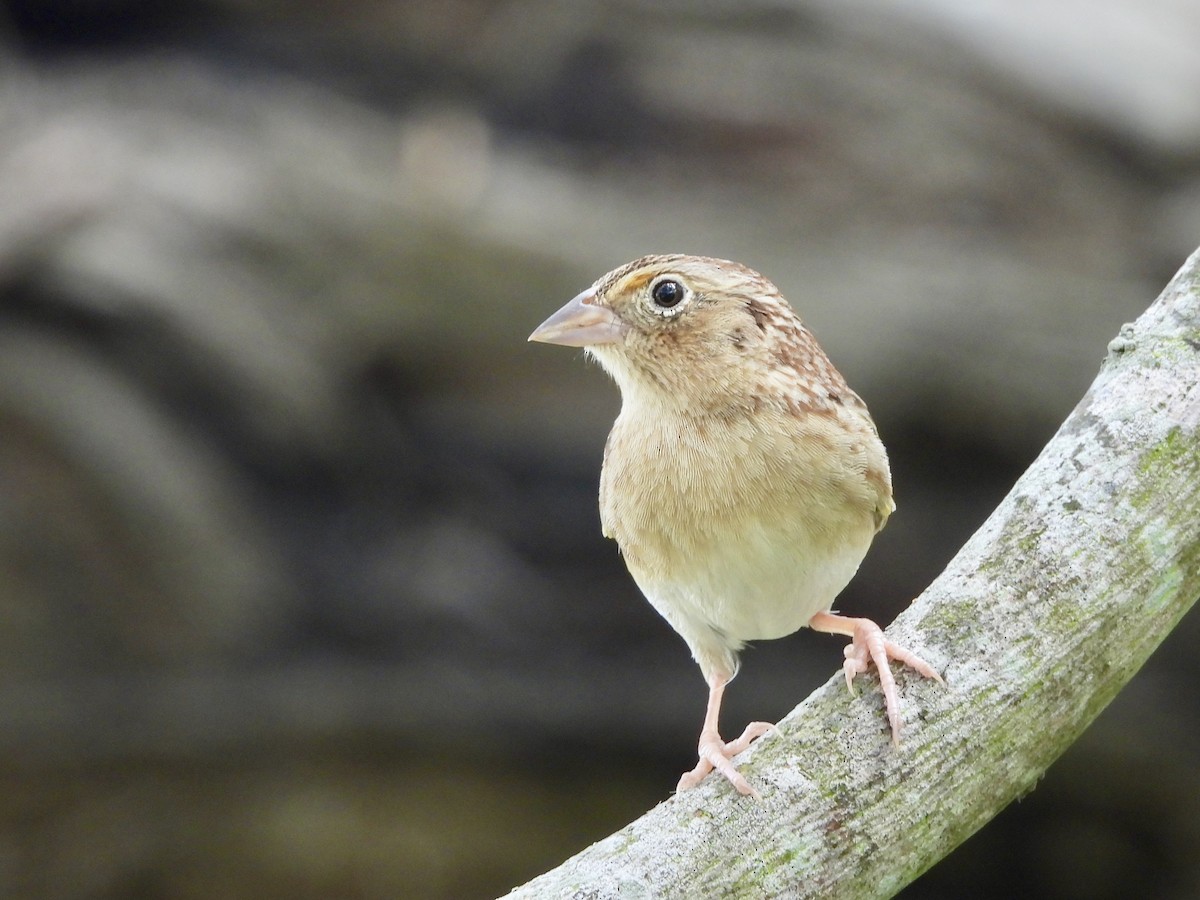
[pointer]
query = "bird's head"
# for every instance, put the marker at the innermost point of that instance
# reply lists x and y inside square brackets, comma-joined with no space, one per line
[692,331]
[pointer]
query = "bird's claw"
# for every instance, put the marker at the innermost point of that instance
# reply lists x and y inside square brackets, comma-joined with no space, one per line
[717,754]
[870,646]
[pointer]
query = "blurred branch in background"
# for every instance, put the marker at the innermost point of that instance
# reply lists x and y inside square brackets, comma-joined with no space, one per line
[296,533]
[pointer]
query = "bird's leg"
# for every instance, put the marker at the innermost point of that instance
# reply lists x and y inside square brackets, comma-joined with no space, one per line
[716,753]
[870,646]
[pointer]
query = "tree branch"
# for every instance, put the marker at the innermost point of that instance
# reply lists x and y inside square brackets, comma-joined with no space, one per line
[1037,623]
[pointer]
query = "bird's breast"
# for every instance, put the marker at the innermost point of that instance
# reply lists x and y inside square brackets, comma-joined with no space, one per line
[746,525]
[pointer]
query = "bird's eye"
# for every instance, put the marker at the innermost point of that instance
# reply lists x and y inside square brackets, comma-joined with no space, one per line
[667,294]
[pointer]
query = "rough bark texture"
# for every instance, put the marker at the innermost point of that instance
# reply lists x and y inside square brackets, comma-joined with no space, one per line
[1039,621]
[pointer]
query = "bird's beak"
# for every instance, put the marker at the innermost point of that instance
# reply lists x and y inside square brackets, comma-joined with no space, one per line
[581,323]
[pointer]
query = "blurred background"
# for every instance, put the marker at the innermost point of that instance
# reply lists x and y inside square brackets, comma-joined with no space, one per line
[302,586]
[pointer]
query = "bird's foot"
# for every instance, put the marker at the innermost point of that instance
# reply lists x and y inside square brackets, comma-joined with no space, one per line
[869,646]
[718,754]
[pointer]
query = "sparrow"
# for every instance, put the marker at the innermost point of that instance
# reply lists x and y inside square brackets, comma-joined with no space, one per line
[743,480]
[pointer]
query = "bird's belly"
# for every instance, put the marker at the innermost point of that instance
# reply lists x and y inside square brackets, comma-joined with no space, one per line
[755,585]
